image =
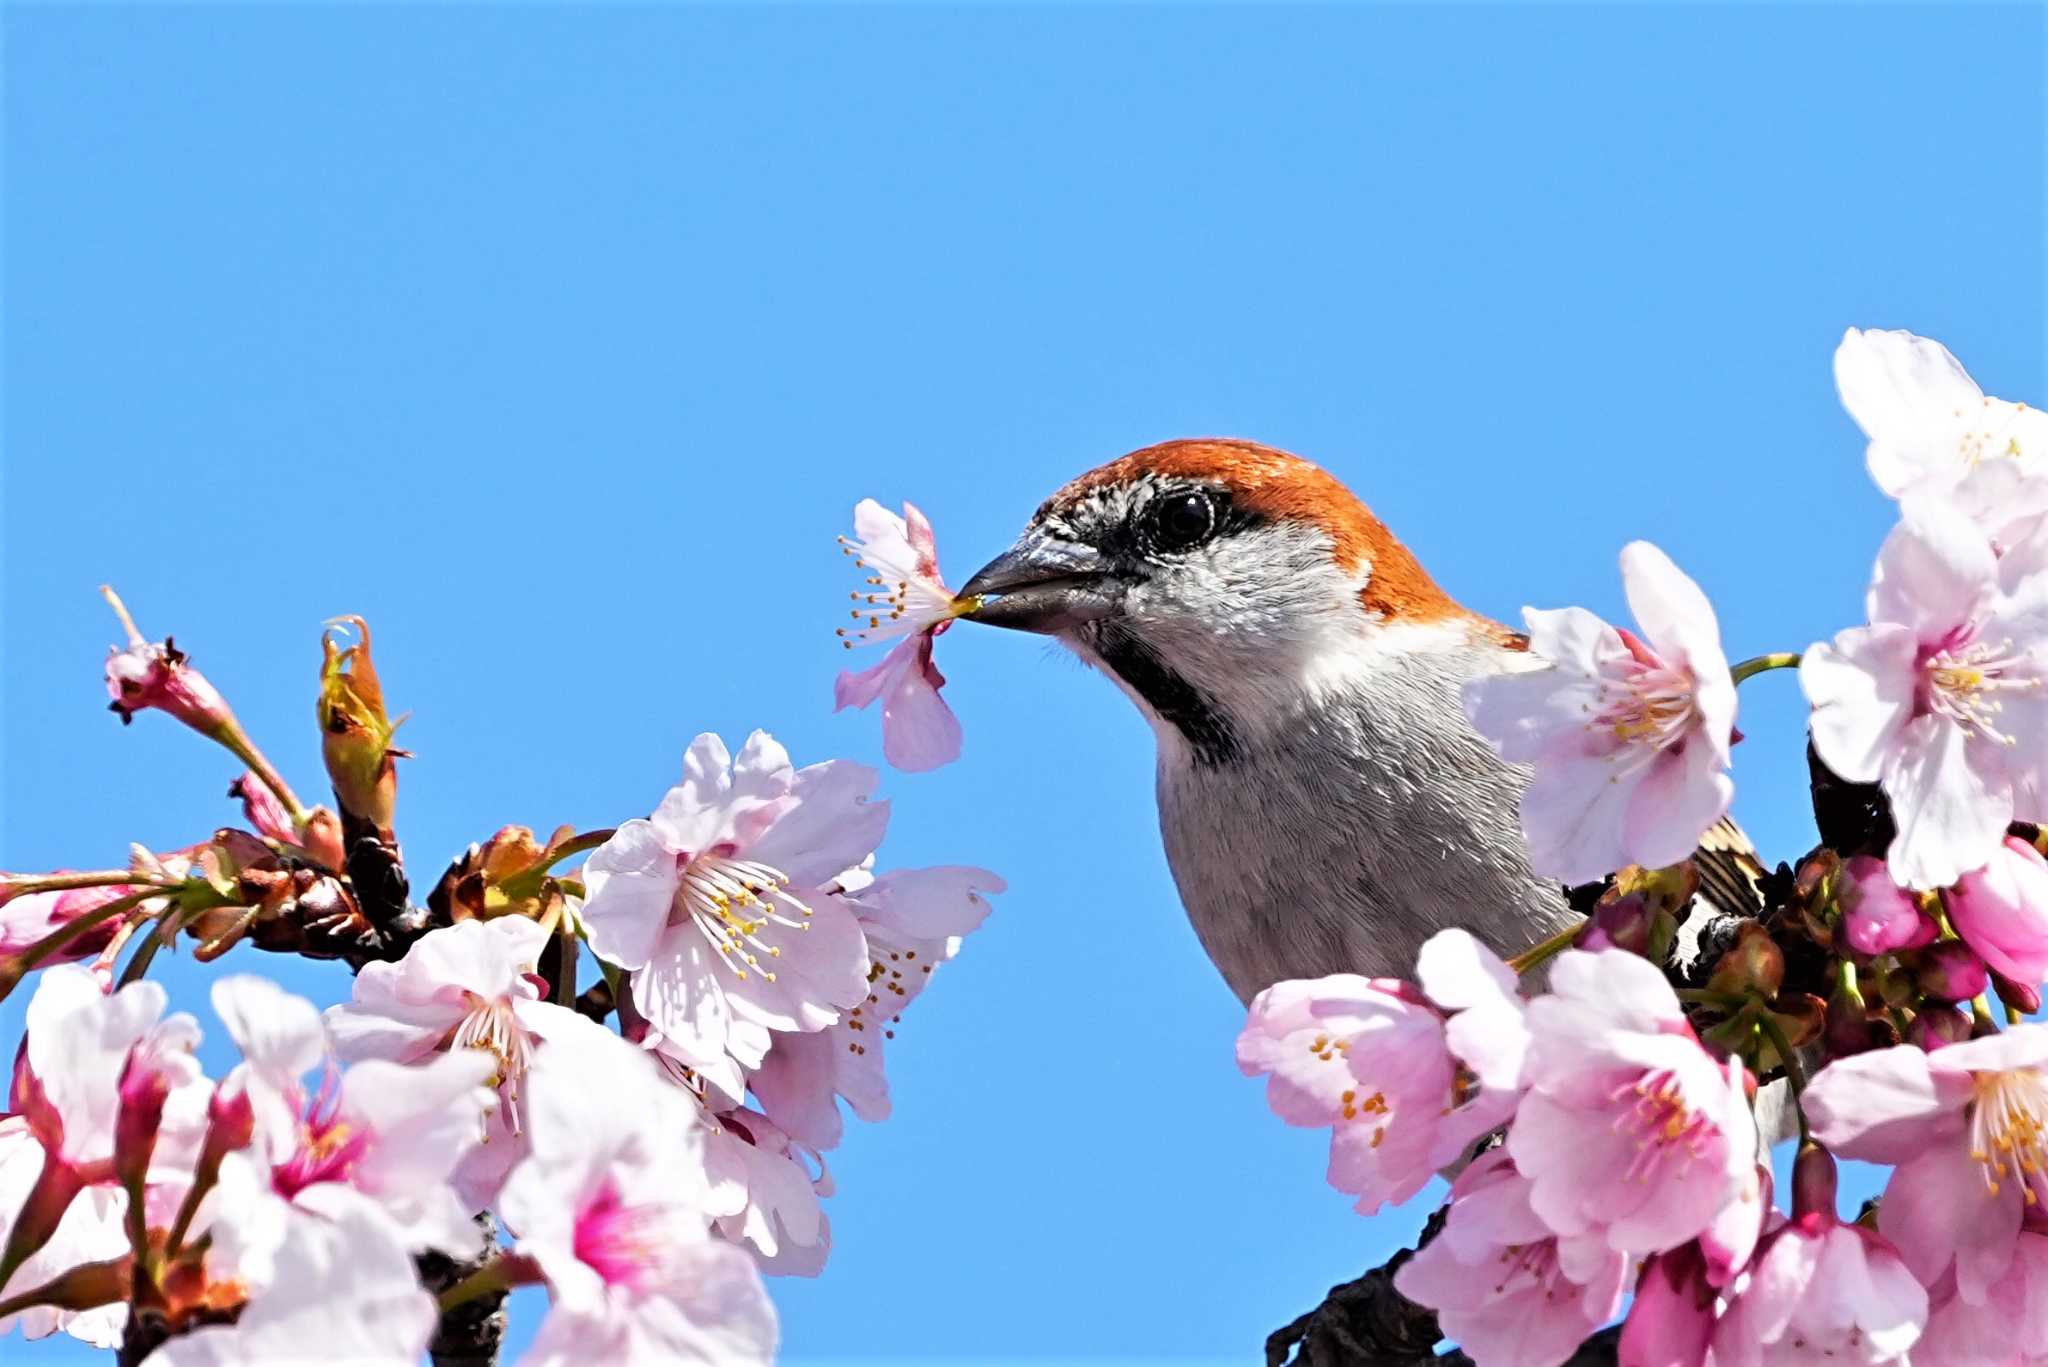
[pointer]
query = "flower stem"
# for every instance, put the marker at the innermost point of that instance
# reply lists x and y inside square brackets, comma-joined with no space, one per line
[1544,951]
[1793,1072]
[499,1274]
[138,962]
[1757,664]
[98,878]
[1707,996]
[1980,1013]
[19,965]
[230,735]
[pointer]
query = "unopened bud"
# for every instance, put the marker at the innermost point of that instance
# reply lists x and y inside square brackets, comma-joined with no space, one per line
[1754,966]
[1879,916]
[321,839]
[355,733]
[1938,1027]
[230,1116]
[2024,998]
[1950,972]
[143,1090]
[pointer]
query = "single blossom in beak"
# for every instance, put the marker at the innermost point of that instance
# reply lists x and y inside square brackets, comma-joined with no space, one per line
[903,599]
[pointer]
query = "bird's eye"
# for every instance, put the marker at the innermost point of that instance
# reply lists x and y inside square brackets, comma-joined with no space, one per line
[1182,521]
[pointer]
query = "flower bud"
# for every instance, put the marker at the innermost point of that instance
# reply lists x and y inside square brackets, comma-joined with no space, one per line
[1754,966]
[2024,998]
[355,734]
[144,1087]
[1879,916]
[1950,972]
[1937,1027]
[230,1116]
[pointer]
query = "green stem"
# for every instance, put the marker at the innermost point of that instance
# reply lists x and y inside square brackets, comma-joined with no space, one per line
[138,962]
[1544,951]
[501,1273]
[1793,1072]
[1845,973]
[1707,996]
[1980,1014]
[1757,664]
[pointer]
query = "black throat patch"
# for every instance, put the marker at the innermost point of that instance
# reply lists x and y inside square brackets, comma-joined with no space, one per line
[1182,705]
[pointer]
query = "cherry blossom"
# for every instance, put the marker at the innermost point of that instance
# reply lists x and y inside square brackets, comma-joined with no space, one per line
[1967,1127]
[1368,1057]
[89,1229]
[391,1131]
[472,985]
[763,1194]
[611,1203]
[913,921]
[1821,1290]
[2009,1328]
[1628,735]
[343,1286]
[716,903]
[1878,916]
[1934,433]
[1628,1129]
[29,918]
[2001,911]
[906,601]
[1506,1288]
[1941,698]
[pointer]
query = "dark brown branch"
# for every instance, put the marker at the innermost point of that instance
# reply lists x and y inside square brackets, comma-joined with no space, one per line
[470,1334]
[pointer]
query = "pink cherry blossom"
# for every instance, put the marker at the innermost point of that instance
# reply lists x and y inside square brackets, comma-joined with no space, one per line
[1966,1127]
[2001,911]
[25,920]
[905,599]
[1629,1130]
[343,1287]
[716,903]
[763,1194]
[473,985]
[913,920]
[2008,1328]
[393,1132]
[612,1203]
[1508,1290]
[1941,698]
[1879,916]
[1821,1291]
[1934,433]
[1671,1323]
[1367,1057]
[89,1229]
[1628,735]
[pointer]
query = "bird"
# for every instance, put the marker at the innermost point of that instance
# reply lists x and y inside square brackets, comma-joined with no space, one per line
[1325,804]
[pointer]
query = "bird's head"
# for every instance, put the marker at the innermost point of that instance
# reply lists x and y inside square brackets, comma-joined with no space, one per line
[1220,582]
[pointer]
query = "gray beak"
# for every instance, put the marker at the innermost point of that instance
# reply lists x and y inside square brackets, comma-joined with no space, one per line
[1044,584]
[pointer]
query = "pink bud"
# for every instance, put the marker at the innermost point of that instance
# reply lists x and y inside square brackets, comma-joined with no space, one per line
[263,809]
[1938,1027]
[143,1089]
[1951,972]
[1879,916]
[230,1116]
[2024,998]
[1672,1320]
[2002,911]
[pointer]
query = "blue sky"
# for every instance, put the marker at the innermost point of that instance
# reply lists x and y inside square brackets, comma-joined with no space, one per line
[559,344]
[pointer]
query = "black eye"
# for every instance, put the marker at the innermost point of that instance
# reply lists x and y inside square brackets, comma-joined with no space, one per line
[1180,522]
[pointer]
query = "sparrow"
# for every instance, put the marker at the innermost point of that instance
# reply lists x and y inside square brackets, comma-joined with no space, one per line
[1325,804]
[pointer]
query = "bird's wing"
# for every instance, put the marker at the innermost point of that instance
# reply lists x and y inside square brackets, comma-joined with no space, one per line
[1731,873]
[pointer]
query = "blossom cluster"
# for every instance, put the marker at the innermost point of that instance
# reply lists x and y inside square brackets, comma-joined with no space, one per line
[1608,1135]
[650,1144]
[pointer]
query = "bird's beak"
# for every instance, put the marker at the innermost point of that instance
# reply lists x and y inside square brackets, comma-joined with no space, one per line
[1043,583]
